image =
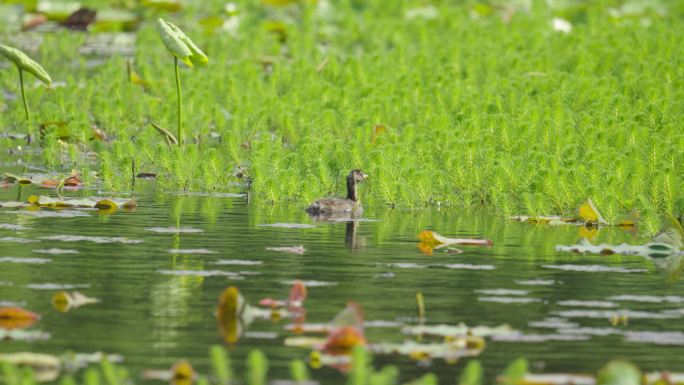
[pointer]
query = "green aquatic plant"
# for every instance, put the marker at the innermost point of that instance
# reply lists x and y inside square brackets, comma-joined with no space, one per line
[25,63]
[181,47]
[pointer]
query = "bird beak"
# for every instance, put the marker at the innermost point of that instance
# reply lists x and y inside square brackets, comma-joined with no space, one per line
[364,176]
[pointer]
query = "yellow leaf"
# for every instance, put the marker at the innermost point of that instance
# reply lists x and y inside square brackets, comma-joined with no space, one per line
[106,204]
[589,213]
[182,373]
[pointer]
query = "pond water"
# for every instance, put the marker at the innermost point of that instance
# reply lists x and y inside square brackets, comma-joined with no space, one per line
[153,313]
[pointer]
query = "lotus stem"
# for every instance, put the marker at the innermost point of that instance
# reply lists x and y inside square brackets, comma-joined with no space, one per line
[180,100]
[23,95]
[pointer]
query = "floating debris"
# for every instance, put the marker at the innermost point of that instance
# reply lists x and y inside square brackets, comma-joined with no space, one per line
[64,301]
[431,240]
[288,249]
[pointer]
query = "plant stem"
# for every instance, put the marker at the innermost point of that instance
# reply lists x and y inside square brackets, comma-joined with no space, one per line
[180,100]
[23,94]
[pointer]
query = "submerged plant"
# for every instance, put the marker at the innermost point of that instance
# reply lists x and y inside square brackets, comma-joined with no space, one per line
[182,48]
[25,63]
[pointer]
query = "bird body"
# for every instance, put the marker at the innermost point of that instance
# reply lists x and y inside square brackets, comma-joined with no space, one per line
[344,207]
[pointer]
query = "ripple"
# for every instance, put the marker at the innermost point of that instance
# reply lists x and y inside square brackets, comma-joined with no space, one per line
[30,261]
[56,286]
[55,251]
[288,225]
[502,292]
[200,273]
[17,240]
[580,303]
[238,262]
[594,268]
[190,251]
[648,298]
[8,226]
[508,299]
[174,230]
[85,238]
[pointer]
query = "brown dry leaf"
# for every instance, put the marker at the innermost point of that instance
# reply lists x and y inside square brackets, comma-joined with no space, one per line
[346,330]
[15,317]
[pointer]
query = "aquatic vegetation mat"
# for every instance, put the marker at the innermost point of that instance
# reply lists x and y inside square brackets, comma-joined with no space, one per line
[298,93]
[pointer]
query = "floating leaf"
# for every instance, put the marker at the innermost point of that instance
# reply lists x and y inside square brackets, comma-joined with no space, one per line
[179,44]
[182,373]
[11,178]
[449,350]
[590,214]
[456,331]
[230,308]
[17,318]
[652,250]
[431,240]
[346,330]
[64,301]
[98,203]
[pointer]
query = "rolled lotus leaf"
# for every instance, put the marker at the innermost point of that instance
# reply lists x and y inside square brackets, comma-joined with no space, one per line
[25,63]
[179,44]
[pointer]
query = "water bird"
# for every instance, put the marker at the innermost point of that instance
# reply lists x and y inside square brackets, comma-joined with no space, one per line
[341,207]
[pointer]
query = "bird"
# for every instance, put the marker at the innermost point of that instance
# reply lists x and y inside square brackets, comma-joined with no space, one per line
[340,207]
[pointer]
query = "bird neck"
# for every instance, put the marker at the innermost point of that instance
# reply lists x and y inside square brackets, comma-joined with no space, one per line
[351,189]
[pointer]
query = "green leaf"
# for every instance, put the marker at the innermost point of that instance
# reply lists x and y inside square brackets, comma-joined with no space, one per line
[25,63]
[515,371]
[619,373]
[472,374]
[180,44]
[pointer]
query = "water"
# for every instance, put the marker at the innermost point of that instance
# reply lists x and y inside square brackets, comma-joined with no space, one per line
[152,316]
